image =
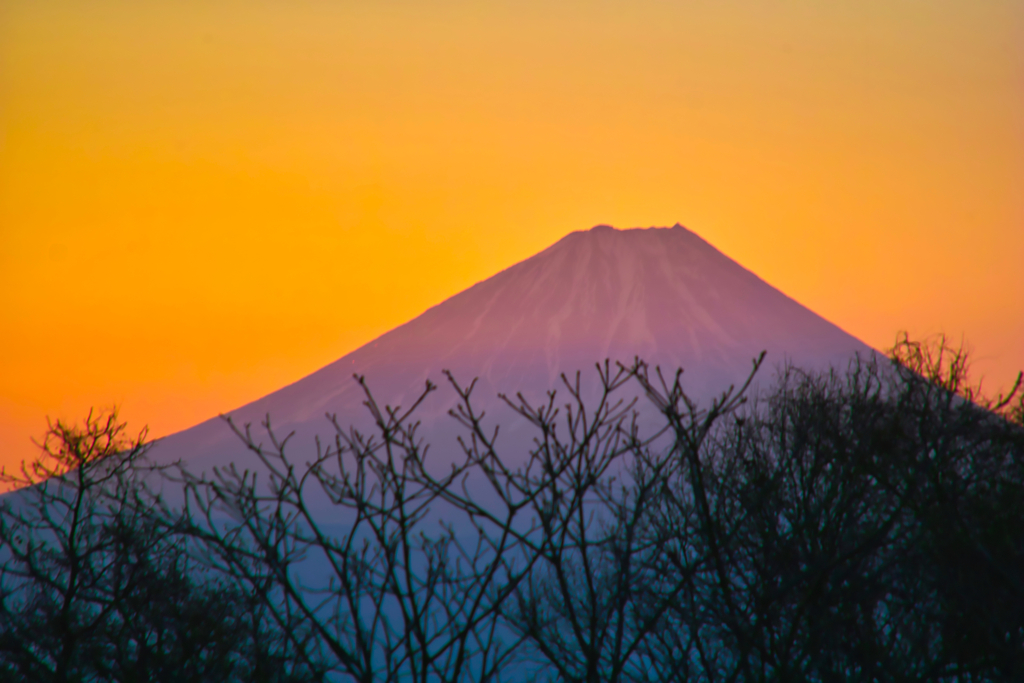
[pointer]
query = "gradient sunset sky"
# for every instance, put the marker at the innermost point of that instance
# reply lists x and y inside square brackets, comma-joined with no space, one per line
[201,202]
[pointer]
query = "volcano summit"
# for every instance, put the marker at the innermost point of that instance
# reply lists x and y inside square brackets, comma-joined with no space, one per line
[663,294]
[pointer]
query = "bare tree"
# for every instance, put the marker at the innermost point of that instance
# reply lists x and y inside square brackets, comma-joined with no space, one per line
[95,582]
[854,525]
[391,591]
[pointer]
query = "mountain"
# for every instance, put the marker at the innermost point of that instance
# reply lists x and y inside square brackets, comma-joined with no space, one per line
[663,294]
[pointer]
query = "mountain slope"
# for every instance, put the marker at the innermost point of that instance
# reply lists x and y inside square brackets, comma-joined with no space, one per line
[664,295]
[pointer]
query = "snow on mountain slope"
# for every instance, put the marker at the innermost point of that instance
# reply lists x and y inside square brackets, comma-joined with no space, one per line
[662,294]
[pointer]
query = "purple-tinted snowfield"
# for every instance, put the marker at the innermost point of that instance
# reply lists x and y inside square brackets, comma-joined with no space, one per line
[662,294]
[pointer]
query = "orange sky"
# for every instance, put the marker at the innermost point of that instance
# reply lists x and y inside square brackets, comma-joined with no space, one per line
[203,201]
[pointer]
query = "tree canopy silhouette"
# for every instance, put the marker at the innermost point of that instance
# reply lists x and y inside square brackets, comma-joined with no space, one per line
[854,524]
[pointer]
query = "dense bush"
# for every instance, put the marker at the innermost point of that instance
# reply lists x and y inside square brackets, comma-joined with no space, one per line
[865,524]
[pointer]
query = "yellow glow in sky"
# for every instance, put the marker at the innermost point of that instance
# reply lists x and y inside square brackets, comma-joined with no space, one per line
[203,201]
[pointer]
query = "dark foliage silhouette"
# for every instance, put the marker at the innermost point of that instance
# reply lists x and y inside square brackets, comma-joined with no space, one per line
[863,524]
[98,582]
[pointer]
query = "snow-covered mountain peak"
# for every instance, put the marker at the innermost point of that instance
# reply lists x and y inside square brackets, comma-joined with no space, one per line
[663,294]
